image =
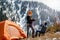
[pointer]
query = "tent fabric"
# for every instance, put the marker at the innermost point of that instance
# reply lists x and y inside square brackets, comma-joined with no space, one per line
[10,30]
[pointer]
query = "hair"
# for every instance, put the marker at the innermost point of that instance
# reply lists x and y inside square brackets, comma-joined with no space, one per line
[45,23]
[29,12]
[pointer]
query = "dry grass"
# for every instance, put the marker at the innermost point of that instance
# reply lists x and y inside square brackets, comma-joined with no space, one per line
[54,28]
[47,36]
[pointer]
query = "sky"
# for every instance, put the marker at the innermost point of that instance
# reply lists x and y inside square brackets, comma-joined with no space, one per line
[54,4]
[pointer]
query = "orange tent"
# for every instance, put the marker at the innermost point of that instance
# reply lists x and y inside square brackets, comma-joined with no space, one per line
[10,31]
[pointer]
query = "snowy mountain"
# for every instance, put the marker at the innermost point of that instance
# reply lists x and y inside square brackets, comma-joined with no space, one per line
[16,11]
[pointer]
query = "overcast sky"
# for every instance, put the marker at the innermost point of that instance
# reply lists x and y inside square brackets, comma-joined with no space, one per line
[54,4]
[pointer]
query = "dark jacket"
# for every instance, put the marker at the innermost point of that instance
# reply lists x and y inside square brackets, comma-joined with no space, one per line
[29,19]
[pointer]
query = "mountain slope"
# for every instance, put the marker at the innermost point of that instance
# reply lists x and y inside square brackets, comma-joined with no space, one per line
[16,11]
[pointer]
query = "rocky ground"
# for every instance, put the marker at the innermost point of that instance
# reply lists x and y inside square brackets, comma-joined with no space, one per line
[47,36]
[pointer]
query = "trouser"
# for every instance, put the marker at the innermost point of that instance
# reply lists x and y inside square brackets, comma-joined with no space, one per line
[30,26]
[40,32]
[37,33]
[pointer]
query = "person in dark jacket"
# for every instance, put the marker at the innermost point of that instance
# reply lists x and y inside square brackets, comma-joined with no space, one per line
[43,29]
[29,23]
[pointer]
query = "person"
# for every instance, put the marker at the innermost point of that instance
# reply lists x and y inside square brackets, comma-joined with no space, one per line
[43,29]
[29,23]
